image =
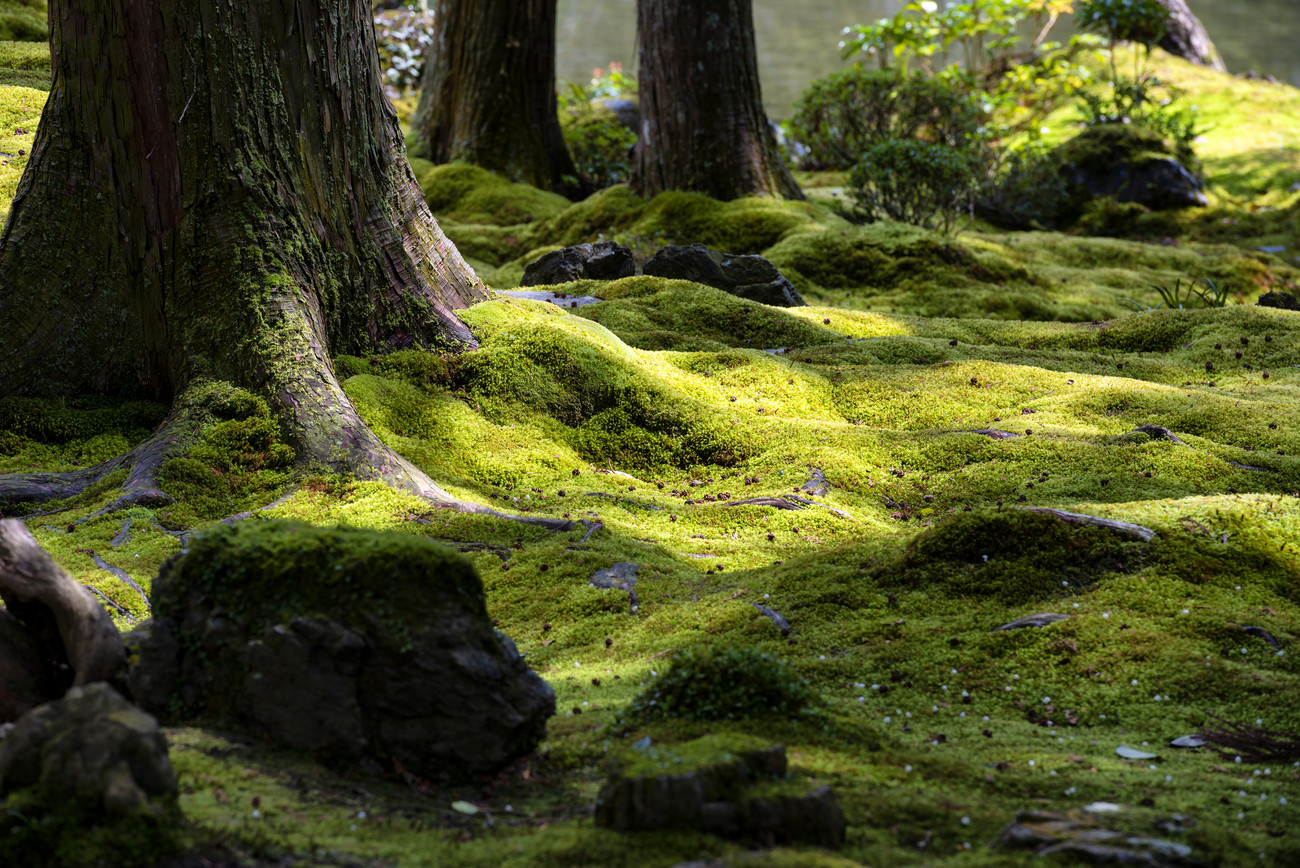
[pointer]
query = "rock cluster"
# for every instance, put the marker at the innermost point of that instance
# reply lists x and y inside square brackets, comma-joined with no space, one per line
[742,792]
[90,745]
[749,277]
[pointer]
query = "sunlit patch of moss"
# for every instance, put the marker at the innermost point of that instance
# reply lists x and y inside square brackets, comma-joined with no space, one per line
[20,112]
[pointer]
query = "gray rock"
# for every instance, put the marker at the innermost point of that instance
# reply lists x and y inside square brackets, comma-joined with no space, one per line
[604,260]
[775,617]
[92,744]
[349,643]
[622,576]
[748,277]
[1080,835]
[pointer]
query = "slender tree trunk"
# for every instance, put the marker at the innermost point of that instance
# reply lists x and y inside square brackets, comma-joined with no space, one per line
[1186,37]
[487,95]
[218,191]
[703,126]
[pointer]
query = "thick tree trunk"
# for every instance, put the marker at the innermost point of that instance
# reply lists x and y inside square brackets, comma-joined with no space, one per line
[1186,37]
[219,191]
[487,95]
[703,126]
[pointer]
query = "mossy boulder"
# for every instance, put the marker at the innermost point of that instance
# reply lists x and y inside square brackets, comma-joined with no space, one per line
[344,642]
[1131,164]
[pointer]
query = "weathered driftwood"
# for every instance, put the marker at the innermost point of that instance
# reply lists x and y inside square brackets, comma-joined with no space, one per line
[1136,531]
[56,611]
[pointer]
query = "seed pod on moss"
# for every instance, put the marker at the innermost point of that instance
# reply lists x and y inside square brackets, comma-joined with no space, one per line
[1209,366]
[1245,341]
[672,518]
[1265,375]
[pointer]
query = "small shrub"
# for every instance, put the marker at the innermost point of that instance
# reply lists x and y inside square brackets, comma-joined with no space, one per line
[1026,192]
[839,117]
[599,142]
[722,683]
[921,183]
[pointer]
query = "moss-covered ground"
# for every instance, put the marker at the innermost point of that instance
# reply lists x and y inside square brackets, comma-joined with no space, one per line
[659,408]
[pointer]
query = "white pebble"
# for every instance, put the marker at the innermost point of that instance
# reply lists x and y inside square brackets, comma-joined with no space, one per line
[1031,762]
[1169,779]
[907,769]
[862,699]
[256,814]
[1105,614]
[1046,700]
[965,821]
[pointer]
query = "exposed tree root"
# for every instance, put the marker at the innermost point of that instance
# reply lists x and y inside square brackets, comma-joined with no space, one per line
[1252,743]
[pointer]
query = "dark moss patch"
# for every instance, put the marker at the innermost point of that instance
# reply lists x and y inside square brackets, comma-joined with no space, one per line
[1011,556]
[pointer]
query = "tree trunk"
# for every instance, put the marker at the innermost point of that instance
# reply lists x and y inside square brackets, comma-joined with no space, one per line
[703,126]
[218,191]
[1186,37]
[487,95]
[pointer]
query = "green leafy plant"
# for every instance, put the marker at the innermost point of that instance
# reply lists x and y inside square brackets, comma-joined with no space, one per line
[1026,190]
[403,35]
[838,118]
[921,183]
[1180,297]
[725,683]
[599,142]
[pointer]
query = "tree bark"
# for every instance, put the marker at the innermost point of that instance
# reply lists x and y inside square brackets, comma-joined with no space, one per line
[63,625]
[487,95]
[1186,37]
[703,126]
[218,191]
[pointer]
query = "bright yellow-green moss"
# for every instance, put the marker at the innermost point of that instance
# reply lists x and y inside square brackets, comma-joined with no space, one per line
[20,112]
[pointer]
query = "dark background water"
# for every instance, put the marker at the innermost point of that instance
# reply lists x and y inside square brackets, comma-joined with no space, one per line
[798,39]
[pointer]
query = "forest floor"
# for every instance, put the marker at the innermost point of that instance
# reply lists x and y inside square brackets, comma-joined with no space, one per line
[658,408]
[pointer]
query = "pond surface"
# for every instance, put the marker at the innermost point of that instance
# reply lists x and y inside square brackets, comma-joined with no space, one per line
[798,42]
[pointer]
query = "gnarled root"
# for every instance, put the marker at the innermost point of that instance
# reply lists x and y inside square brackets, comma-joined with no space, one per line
[54,625]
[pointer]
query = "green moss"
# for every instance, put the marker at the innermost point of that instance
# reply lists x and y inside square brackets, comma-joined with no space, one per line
[268,572]
[468,194]
[20,112]
[233,462]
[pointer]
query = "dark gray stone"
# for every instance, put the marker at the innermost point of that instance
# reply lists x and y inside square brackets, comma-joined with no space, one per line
[604,260]
[91,744]
[749,277]
[1282,300]
[743,793]
[1031,621]
[408,669]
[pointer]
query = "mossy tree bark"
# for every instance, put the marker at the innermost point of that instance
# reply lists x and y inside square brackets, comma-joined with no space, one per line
[703,126]
[487,94]
[218,191]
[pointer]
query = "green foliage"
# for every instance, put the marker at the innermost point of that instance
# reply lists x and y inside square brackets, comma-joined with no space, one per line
[838,118]
[1146,102]
[1027,191]
[1181,297]
[719,682]
[921,183]
[598,141]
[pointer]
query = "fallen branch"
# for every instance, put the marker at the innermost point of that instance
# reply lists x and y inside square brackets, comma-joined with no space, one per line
[1136,531]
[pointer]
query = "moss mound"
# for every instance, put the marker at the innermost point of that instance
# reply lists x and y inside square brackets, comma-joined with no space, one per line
[1013,557]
